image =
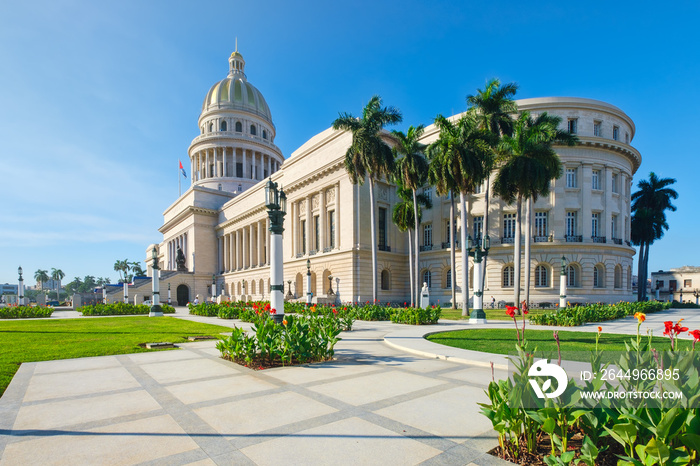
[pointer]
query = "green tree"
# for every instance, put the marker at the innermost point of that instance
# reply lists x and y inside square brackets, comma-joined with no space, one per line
[649,206]
[57,275]
[41,277]
[529,164]
[403,217]
[495,108]
[464,151]
[412,170]
[123,267]
[369,156]
[137,269]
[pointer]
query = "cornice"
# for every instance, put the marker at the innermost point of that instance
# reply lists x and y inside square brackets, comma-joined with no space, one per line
[190,210]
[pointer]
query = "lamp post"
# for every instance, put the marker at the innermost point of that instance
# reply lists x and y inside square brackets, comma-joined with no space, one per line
[562,284]
[156,310]
[308,282]
[213,288]
[276,203]
[169,301]
[330,286]
[337,289]
[478,251]
[681,301]
[20,287]
[696,293]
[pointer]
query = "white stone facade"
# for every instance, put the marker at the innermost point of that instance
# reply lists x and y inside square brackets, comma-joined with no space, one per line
[681,284]
[221,222]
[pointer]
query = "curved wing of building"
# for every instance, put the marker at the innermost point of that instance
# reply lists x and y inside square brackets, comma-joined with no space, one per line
[220,223]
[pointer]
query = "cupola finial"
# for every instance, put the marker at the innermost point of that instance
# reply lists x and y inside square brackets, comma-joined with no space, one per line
[236,63]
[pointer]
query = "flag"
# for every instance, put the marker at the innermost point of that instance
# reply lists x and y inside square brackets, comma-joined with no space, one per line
[183,170]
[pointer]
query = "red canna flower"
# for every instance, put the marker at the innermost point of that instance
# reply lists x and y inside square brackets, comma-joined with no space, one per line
[695,334]
[273,311]
[510,310]
[668,325]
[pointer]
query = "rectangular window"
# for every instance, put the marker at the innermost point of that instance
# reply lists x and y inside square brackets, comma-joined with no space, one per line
[447,231]
[659,283]
[428,234]
[573,125]
[509,225]
[595,179]
[597,128]
[317,233]
[571,177]
[613,227]
[672,285]
[688,283]
[541,224]
[239,170]
[571,223]
[478,225]
[627,137]
[429,194]
[616,133]
[303,236]
[595,221]
[331,228]
[614,186]
[381,226]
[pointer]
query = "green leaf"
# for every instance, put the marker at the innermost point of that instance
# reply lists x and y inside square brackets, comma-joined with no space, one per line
[566,457]
[658,450]
[692,441]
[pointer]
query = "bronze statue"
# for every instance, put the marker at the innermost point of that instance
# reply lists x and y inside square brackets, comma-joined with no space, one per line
[180,260]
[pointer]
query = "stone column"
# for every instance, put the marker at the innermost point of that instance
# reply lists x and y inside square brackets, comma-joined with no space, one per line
[251,250]
[322,219]
[337,217]
[245,164]
[226,253]
[261,249]
[309,218]
[267,239]
[585,193]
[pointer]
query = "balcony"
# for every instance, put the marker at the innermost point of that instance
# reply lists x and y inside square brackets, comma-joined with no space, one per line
[329,249]
[541,239]
[617,241]
[446,245]
[574,239]
[599,239]
[313,252]
[299,255]
[384,247]
[507,240]
[426,248]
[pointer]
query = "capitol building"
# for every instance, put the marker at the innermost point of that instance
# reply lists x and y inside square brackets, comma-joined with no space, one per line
[220,224]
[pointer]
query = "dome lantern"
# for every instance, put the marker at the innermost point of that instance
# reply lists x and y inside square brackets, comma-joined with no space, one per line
[236,64]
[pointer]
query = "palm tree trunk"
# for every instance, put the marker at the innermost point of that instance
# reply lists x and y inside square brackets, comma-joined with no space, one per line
[526,262]
[646,270]
[640,269]
[410,266]
[465,254]
[453,276]
[373,230]
[485,231]
[417,249]
[516,254]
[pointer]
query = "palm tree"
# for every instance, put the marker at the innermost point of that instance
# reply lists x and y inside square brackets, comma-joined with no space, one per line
[369,156]
[41,276]
[403,217]
[465,153]
[649,205]
[495,107]
[123,268]
[412,170]
[57,275]
[529,163]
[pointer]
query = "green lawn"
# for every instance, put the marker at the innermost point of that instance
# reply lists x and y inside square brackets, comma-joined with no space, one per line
[502,341]
[47,340]
[491,314]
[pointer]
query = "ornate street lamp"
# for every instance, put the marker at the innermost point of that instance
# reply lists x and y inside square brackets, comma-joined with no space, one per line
[156,310]
[562,284]
[169,302]
[20,287]
[696,293]
[276,204]
[308,282]
[213,288]
[330,285]
[681,301]
[478,252]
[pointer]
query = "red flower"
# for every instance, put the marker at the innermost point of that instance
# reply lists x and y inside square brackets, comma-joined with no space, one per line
[668,326]
[695,334]
[676,329]
[334,311]
[510,310]
[273,311]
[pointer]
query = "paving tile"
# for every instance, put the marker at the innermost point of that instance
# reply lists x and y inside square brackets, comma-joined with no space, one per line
[191,369]
[56,414]
[119,444]
[196,392]
[162,356]
[476,374]
[349,441]
[249,416]
[453,414]
[319,371]
[375,387]
[67,365]
[69,384]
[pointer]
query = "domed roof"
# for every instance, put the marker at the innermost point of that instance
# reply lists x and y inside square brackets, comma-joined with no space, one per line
[235,92]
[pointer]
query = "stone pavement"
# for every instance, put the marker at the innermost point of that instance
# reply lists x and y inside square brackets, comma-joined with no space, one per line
[390,397]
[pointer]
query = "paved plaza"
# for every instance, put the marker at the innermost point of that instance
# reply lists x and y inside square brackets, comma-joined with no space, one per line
[390,397]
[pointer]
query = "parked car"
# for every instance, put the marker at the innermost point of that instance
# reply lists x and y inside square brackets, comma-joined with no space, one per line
[53,303]
[148,302]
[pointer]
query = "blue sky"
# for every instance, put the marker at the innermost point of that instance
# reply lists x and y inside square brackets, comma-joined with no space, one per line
[99,100]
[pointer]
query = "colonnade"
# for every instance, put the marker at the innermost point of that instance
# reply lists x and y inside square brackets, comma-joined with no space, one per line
[218,162]
[245,247]
[173,244]
[315,222]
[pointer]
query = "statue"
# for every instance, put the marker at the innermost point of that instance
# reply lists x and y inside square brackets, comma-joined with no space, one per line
[180,260]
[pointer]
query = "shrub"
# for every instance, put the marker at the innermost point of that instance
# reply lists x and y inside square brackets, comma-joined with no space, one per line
[579,315]
[25,312]
[685,305]
[416,316]
[121,309]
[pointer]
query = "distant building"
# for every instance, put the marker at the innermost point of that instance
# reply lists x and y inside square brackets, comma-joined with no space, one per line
[8,289]
[679,284]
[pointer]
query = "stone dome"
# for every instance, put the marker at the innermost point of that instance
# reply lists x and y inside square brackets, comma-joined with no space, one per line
[236,93]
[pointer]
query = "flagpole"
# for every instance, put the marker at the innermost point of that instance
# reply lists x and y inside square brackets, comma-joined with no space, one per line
[179,182]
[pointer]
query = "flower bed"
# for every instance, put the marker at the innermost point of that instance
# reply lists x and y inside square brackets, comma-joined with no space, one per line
[579,315]
[25,312]
[416,316]
[121,309]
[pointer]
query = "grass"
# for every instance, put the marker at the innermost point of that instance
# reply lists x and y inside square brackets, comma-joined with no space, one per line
[35,340]
[502,341]
[491,314]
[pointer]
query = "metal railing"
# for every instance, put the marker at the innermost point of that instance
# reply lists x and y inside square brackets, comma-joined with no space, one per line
[617,240]
[541,239]
[599,239]
[507,240]
[574,239]
[428,247]
[384,247]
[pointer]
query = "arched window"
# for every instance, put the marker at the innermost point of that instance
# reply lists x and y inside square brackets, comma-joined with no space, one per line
[252,130]
[264,134]
[262,287]
[211,127]
[252,287]
[224,126]
[508,276]
[598,276]
[239,127]
[571,276]
[448,278]
[386,280]
[541,276]
[427,279]
[618,276]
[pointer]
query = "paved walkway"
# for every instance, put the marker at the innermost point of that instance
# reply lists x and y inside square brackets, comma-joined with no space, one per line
[391,397]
